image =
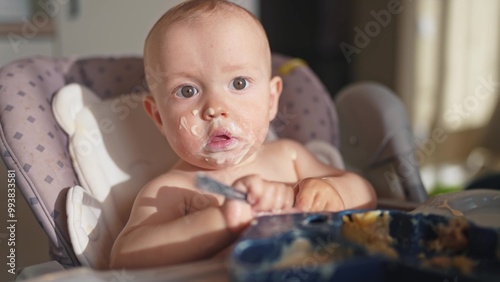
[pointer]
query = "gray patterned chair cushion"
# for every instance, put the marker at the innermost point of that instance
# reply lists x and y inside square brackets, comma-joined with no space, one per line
[32,144]
[306,111]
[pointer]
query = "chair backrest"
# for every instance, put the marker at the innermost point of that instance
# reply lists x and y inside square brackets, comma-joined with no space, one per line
[377,141]
[32,144]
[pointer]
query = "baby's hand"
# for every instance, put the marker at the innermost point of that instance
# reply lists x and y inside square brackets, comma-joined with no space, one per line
[237,214]
[264,195]
[317,194]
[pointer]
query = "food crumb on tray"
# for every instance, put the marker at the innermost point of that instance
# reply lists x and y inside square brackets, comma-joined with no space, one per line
[461,262]
[370,229]
[451,237]
[450,244]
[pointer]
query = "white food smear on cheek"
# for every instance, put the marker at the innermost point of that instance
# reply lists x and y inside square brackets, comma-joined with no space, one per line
[194,130]
[243,153]
[183,123]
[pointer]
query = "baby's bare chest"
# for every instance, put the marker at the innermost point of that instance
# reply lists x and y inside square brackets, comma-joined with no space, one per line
[277,165]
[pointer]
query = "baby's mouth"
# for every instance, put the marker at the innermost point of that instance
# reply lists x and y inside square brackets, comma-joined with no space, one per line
[220,141]
[220,138]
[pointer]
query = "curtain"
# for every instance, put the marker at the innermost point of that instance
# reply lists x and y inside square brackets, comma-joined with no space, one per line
[449,81]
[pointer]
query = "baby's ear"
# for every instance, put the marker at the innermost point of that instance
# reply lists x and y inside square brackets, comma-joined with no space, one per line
[275,88]
[152,111]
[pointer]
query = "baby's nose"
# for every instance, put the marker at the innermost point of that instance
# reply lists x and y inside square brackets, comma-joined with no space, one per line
[211,113]
[215,104]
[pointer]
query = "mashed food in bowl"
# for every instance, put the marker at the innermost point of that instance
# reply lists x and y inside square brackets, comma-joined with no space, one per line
[446,250]
[370,229]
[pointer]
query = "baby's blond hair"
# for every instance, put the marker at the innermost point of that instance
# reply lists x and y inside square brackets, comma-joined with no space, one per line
[190,10]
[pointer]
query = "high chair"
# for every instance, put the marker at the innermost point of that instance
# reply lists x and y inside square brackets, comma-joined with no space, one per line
[80,176]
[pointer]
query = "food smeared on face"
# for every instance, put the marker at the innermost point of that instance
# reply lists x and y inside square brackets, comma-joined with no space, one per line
[183,123]
[209,112]
[194,130]
[208,77]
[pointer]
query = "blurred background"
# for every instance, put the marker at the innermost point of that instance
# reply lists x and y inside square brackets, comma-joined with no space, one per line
[440,57]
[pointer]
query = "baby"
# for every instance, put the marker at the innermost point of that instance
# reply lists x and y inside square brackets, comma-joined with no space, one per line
[214,102]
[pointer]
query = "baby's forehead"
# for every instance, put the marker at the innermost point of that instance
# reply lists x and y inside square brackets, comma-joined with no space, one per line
[169,30]
[198,16]
[218,24]
[234,18]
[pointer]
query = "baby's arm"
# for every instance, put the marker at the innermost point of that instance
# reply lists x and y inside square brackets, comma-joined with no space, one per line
[171,225]
[324,188]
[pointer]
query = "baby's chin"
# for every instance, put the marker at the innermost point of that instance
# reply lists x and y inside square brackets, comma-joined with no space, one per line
[221,161]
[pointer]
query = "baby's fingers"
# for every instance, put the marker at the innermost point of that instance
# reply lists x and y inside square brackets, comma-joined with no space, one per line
[265,195]
[304,201]
[237,215]
[252,185]
[286,200]
[276,196]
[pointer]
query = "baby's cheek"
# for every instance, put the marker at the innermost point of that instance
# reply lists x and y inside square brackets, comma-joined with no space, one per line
[189,147]
[256,131]
[183,143]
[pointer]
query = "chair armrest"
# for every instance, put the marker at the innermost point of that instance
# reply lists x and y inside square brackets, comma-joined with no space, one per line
[394,204]
[38,269]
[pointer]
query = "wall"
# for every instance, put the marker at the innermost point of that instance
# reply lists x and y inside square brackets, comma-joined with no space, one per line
[108,27]
[114,27]
[38,47]
[376,43]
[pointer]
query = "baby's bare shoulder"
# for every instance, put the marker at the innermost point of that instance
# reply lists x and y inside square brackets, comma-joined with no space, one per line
[284,142]
[284,147]
[172,181]
[167,197]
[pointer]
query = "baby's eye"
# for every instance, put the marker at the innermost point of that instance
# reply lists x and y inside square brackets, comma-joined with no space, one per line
[186,91]
[238,83]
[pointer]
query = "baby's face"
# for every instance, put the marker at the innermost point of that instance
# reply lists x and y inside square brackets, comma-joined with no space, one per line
[216,96]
